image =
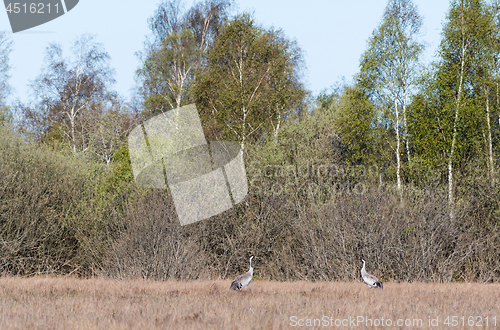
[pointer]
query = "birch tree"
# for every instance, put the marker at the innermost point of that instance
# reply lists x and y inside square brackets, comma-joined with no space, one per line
[180,42]
[389,67]
[495,42]
[462,50]
[69,93]
[109,131]
[250,82]
[491,81]
[456,90]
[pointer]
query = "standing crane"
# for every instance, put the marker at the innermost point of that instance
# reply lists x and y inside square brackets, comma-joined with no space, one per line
[369,279]
[243,280]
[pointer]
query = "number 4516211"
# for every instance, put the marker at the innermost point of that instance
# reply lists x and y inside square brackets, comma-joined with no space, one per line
[471,321]
[33,8]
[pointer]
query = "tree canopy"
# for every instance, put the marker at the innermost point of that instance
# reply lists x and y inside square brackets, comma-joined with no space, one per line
[251,82]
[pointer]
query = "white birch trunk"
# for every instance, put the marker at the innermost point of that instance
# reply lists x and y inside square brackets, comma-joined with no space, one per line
[490,143]
[243,128]
[405,123]
[396,128]
[243,108]
[276,130]
[72,123]
[454,138]
[398,143]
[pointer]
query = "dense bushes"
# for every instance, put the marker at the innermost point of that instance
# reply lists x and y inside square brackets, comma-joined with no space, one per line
[60,215]
[39,191]
[309,215]
[410,241]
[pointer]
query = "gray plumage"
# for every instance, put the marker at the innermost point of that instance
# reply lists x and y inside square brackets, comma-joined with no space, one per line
[369,279]
[242,281]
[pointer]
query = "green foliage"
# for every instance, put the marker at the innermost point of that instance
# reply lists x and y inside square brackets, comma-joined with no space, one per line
[168,72]
[327,101]
[456,83]
[118,176]
[55,139]
[311,139]
[388,66]
[122,170]
[5,115]
[355,124]
[176,55]
[250,83]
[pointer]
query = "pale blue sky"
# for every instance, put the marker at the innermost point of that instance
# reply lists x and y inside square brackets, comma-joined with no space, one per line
[332,34]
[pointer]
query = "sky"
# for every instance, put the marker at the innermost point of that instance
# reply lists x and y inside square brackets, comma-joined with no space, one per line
[332,34]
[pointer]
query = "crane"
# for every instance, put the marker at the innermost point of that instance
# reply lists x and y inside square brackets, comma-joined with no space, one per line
[369,279]
[243,280]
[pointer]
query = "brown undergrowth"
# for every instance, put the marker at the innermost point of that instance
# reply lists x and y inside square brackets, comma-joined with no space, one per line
[70,303]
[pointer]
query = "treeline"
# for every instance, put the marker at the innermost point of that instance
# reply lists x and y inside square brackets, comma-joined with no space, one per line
[399,166]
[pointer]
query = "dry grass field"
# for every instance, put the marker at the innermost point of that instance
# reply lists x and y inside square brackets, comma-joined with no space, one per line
[68,303]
